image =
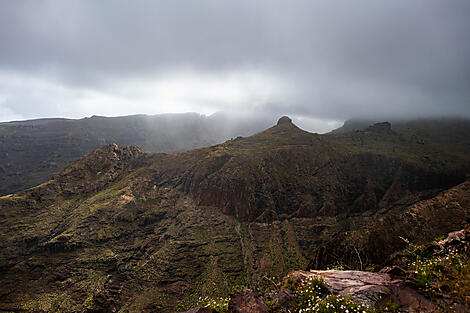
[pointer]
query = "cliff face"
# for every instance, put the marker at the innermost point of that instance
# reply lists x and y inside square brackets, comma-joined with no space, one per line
[419,222]
[97,170]
[124,230]
[286,172]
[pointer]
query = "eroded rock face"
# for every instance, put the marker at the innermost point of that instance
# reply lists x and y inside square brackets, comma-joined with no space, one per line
[371,289]
[419,223]
[284,120]
[384,127]
[249,187]
[97,169]
[456,238]
[245,301]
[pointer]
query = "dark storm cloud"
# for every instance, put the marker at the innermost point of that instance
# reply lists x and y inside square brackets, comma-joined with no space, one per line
[327,60]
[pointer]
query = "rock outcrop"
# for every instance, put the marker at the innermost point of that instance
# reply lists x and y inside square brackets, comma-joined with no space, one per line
[244,301]
[456,238]
[384,127]
[419,223]
[284,120]
[372,289]
[97,169]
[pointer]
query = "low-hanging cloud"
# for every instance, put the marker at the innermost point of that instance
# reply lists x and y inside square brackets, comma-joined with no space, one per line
[317,60]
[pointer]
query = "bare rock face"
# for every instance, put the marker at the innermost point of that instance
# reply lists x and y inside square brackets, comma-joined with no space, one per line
[456,238]
[97,169]
[384,127]
[394,271]
[371,289]
[245,301]
[284,120]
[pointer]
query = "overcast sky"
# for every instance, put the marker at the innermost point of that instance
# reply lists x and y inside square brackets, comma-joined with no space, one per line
[321,61]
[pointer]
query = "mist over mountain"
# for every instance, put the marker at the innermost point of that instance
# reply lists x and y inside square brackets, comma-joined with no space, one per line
[325,60]
[32,151]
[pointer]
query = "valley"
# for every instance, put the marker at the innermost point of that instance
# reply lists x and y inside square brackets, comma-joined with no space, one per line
[121,230]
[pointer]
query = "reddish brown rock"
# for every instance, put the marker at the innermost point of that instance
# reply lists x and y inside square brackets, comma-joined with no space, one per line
[371,289]
[285,296]
[245,301]
[393,270]
[456,237]
[97,169]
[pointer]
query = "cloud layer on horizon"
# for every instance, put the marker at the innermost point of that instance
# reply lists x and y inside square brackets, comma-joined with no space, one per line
[318,60]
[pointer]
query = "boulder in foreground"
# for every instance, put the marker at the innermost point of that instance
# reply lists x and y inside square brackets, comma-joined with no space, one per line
[372,289]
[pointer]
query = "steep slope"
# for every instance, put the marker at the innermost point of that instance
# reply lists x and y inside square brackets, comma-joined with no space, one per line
[418,223]
[32,151]
[122,230]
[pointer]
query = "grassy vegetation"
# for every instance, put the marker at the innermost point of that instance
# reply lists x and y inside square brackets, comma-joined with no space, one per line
[219,305]
[146,234]
[441,272]
[311,296]
[435,144]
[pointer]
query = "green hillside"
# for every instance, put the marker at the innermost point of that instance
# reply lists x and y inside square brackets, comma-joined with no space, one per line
[126,231]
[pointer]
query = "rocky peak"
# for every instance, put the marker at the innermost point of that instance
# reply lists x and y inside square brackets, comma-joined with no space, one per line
[384,127]
[97,168]
[109,156]
[284,120]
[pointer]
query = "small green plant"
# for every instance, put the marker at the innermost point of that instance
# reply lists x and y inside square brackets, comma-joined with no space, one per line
[238,287]
[220,305]
[289,284]
[334,304]
[389,306]
[338,268]
[272,305]
[314,296]
[418,252]
[440,270]
[311,290]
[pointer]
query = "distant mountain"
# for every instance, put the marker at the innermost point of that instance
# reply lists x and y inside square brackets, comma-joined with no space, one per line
[354,125]
[31,151]
[427,126]
[123,230]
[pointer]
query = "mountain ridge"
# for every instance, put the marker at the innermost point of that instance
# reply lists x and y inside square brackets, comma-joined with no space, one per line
[126,230]
[32,151]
